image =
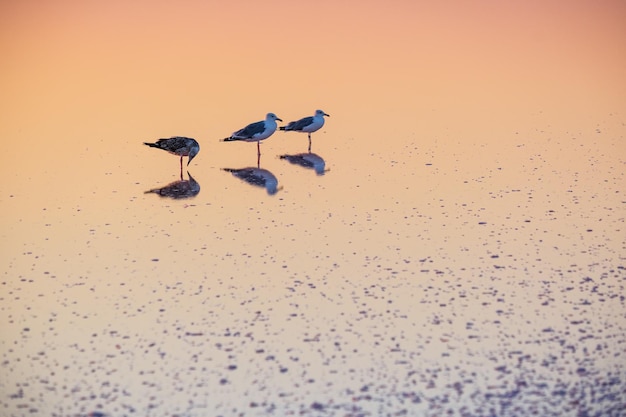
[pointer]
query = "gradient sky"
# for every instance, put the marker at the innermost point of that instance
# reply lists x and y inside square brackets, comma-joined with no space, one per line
[372,56]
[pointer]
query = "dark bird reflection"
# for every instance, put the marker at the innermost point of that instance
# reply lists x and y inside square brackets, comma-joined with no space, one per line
[178,189]
[308,160]
[257,176]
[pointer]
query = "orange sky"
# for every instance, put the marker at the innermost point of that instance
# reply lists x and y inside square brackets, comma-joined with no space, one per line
[479,48]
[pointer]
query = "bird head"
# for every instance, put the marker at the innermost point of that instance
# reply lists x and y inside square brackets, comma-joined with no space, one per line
[321,113]
[272,116]
[193,152]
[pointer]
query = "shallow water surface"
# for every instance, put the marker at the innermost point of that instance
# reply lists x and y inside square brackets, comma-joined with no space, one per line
[452,244]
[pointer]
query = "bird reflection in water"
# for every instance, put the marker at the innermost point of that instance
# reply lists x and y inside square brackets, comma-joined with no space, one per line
[257,176]
[178,189]
[308,160]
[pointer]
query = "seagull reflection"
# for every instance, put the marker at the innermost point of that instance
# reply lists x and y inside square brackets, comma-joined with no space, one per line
[178,189]
[257,176]
[308,160]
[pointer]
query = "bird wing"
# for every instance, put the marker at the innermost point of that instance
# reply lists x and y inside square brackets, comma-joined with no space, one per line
[173,143]
[249,131]
[299,124]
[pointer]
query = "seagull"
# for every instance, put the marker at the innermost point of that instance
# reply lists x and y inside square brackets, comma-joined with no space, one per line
[178,145]
[307,124]
[256,132]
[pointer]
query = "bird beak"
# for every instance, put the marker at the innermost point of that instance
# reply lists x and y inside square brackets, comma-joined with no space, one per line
[326,114]
[279,119]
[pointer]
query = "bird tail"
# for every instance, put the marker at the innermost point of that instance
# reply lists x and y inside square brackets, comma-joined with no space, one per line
[229,139]
[152,145]
[288,126]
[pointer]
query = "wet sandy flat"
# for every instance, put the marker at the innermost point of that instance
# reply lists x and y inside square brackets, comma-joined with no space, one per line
[452,243]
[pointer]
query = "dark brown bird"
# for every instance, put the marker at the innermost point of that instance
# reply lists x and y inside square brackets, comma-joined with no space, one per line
[178,145]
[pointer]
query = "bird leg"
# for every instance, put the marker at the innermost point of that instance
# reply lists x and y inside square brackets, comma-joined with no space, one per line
[309,143]
[258,154]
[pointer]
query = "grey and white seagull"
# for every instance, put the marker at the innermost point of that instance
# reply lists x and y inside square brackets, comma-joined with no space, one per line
[178,145]
[307,124]
[256,132]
